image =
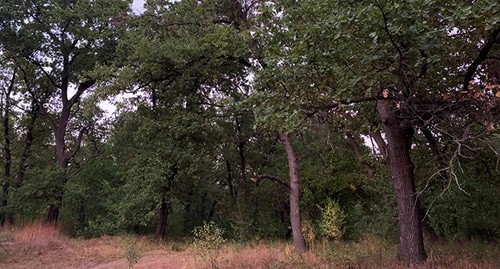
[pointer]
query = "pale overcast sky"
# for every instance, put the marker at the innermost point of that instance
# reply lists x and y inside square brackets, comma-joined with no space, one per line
[138,6]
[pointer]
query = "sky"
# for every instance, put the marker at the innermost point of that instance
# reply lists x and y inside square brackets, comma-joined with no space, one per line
[109,106]
[138,6]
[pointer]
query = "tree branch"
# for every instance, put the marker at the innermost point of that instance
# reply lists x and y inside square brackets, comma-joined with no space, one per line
[481,57]
[81,88]
[78,143]
[258,178]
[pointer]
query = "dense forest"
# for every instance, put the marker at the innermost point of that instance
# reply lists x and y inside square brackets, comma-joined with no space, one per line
[268,119]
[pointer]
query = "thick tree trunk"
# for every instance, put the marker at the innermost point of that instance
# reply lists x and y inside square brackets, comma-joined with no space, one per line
[54,208]
[53,214]
[293,167]
[411,244]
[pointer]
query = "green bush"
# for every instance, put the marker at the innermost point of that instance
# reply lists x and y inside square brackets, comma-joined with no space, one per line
[207,241]
[332,220]
[98,227]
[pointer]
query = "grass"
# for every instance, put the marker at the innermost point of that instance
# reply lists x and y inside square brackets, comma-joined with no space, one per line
[42,246]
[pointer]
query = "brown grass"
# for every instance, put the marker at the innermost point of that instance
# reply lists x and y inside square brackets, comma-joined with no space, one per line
[38,238]
[39,245]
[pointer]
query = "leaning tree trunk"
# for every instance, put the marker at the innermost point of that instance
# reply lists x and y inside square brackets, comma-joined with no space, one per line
[293,167]
[411,244]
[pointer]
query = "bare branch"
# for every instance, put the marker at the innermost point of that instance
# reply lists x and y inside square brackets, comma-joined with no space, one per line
[258,178]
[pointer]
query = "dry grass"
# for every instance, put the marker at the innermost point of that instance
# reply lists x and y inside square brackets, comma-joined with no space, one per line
[42,246]
[37,238]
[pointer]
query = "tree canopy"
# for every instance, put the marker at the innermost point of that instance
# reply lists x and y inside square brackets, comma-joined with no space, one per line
[267,117]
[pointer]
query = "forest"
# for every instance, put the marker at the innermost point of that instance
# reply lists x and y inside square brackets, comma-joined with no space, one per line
[245,120]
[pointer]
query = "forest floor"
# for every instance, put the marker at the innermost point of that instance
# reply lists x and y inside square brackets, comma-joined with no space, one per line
[39,246]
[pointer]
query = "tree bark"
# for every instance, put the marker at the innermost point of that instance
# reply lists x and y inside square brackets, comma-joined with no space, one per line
[30,138]
[241,153]
[230,184]
[357,152]
[293,168]
[379,140]
[164,209]
[411,244]
[161,226]
[59,128]
[7,151]
[53,214]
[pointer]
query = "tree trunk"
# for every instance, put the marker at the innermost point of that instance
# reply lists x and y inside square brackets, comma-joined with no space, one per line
[230,184]
[357,152]
[427,229]
[53,214]
[35,109]
[241,153]
[59,128]
[411,244]
[164,209]
[293,167]
[6,151]
[161,226]
[54,208]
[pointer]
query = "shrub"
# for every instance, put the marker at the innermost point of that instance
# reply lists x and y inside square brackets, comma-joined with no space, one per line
[332,220]
[207,241]
[131,250]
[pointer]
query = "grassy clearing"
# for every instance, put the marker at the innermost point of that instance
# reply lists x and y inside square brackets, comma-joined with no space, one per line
[41,246]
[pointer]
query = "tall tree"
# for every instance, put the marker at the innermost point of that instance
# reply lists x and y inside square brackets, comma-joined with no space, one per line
[293,167]
[7,89]
[63,41]
[331,61]
[190,58]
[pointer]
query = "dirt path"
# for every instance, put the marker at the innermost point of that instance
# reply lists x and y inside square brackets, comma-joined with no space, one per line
[174,260]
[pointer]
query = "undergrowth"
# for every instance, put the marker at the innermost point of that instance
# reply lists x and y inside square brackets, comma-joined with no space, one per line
[39,245]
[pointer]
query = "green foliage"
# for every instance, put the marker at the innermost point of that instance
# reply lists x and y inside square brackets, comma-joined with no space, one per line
[332,220]
[209,86]
[207,241]
[99,226]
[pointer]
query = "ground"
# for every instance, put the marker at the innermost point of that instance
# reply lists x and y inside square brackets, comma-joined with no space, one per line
[39,246]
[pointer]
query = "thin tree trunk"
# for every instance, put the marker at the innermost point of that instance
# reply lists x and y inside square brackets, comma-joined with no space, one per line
[411,244]
[35,110]
[433,147]
[293,167]
[241,153]
[427,229]
[379,140]
[357,152]
[230,184]
[7,151]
